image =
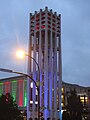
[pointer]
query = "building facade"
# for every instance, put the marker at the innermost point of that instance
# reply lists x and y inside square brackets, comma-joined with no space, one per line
[17,87]
[82,92]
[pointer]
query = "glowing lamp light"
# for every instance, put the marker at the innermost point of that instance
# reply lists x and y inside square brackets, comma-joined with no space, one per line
[20,54]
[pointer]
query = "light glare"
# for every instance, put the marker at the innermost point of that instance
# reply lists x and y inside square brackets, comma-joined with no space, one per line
[20,54]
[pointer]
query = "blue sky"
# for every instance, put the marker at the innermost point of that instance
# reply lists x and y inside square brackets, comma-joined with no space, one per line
[14,34]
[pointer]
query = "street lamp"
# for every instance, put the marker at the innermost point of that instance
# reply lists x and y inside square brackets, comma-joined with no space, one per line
[20,73]
[20,54]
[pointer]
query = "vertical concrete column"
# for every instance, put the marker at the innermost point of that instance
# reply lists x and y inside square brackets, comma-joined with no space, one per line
[40,57]
[55,70]
[51,71]
[29,70]
[60,72]
[46,69]
[34,70]
[51,79]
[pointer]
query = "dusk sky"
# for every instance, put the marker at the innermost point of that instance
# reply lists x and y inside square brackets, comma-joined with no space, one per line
[75,31]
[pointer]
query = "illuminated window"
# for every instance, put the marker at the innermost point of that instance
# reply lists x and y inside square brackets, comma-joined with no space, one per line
[20,84]
[1,88]
[62,104]
[82,101]
[7,87]
[31,85]
[62,90]
[81,98]
[31,102]
[36,102]
[25,92]
[43,26]
[86,98]
[62,96]
[36,92]
[14,89]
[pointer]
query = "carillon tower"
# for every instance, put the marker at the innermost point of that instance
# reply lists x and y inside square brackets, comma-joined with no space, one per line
[45,48]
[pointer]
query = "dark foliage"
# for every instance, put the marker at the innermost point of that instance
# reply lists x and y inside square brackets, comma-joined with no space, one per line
[74,107]
[8,108]
[65,116]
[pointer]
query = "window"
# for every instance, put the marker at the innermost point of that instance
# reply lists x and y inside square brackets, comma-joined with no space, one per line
[14,89]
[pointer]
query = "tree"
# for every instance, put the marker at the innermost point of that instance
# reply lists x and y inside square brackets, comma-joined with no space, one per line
[65,115]
[8,108]
[74,106]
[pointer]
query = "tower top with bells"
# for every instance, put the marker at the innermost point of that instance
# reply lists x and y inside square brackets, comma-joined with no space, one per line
[45,19]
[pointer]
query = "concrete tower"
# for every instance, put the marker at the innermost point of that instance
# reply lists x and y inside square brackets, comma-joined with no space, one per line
[45,48]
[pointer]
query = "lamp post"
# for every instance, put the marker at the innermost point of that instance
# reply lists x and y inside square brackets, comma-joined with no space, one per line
[21,54]
[20,73]
[38,89]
